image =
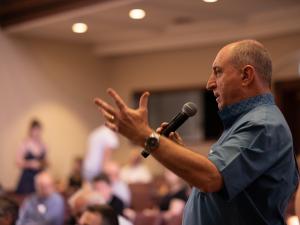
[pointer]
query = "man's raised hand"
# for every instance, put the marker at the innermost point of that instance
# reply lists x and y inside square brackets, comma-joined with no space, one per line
[131,123]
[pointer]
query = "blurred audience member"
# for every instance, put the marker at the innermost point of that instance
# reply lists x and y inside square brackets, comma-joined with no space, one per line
[80,200]
[172,202]
[100,145]
[102,185]
[31,158]
[45,207]
[8,211]
[177,191]
[119,187]
[75,178]
[99,215]
[84,198]
[135,171]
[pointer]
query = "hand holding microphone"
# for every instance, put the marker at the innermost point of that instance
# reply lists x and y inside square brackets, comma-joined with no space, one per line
[174,136]
[189,109]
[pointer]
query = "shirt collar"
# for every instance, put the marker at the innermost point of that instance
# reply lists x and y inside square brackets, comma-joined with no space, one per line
[230,113]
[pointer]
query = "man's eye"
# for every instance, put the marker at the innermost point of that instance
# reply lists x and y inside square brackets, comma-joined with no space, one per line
[218,73]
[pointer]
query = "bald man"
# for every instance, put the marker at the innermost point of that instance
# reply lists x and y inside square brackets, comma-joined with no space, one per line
[250,172]
[45,207]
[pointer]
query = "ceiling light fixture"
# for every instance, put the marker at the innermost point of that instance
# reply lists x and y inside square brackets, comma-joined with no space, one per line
[210,1]
[79,28]
[137,14]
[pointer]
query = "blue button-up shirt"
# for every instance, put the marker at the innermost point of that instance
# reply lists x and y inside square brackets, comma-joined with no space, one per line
[256,160]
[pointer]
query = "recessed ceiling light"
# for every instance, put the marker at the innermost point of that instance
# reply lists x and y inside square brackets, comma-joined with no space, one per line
[79,28]
[137,14]
[210,1]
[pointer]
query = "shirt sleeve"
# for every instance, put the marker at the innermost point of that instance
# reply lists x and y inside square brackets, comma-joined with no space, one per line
[244,156]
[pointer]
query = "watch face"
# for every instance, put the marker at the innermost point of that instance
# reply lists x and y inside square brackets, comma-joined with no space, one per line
[152,143]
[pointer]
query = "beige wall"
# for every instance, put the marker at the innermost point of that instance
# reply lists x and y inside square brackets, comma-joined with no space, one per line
[56,82]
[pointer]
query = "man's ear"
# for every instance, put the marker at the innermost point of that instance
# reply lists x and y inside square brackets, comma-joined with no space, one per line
[247,75]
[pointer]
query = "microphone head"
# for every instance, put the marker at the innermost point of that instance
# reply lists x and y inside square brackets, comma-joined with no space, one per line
[189,109]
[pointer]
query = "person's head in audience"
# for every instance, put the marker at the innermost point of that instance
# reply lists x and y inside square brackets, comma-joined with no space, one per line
[8,211]
[35,129]
[102,185]
[81,200]
[44,184]
[99,215]
[112,170]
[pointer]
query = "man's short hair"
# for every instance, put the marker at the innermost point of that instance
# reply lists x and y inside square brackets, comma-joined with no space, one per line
[101,177]
[252,52]
[109,217]
[9,208]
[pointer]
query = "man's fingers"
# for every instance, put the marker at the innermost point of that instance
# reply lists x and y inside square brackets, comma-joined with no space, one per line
[164,124]
[119,101]
[107,116]
[105,106]
[111,126]
[172,136]
[177,136]
[144,100]
[162,127]
[158,130]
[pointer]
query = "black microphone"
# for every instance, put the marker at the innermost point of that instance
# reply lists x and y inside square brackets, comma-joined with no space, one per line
[189,109]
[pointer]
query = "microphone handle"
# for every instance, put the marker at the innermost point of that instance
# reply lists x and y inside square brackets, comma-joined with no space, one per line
[175,123]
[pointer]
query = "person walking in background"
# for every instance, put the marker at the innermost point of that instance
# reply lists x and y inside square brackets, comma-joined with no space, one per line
[101,142]
[31,158]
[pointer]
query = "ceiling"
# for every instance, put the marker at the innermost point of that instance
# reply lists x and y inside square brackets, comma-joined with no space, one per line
[169,24]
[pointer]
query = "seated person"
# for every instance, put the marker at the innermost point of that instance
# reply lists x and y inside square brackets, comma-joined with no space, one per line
[102,185]
[45,206]
[99,215]
[75,179]
[119,187]
[177,191]
[8,211]
[84,198]
[172,201]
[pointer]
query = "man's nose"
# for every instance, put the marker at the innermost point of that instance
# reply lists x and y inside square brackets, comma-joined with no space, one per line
[211,83]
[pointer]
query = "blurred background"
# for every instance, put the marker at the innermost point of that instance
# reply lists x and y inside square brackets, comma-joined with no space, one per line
[57,55]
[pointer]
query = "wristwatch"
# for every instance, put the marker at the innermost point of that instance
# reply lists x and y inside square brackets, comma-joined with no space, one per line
[152,142]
